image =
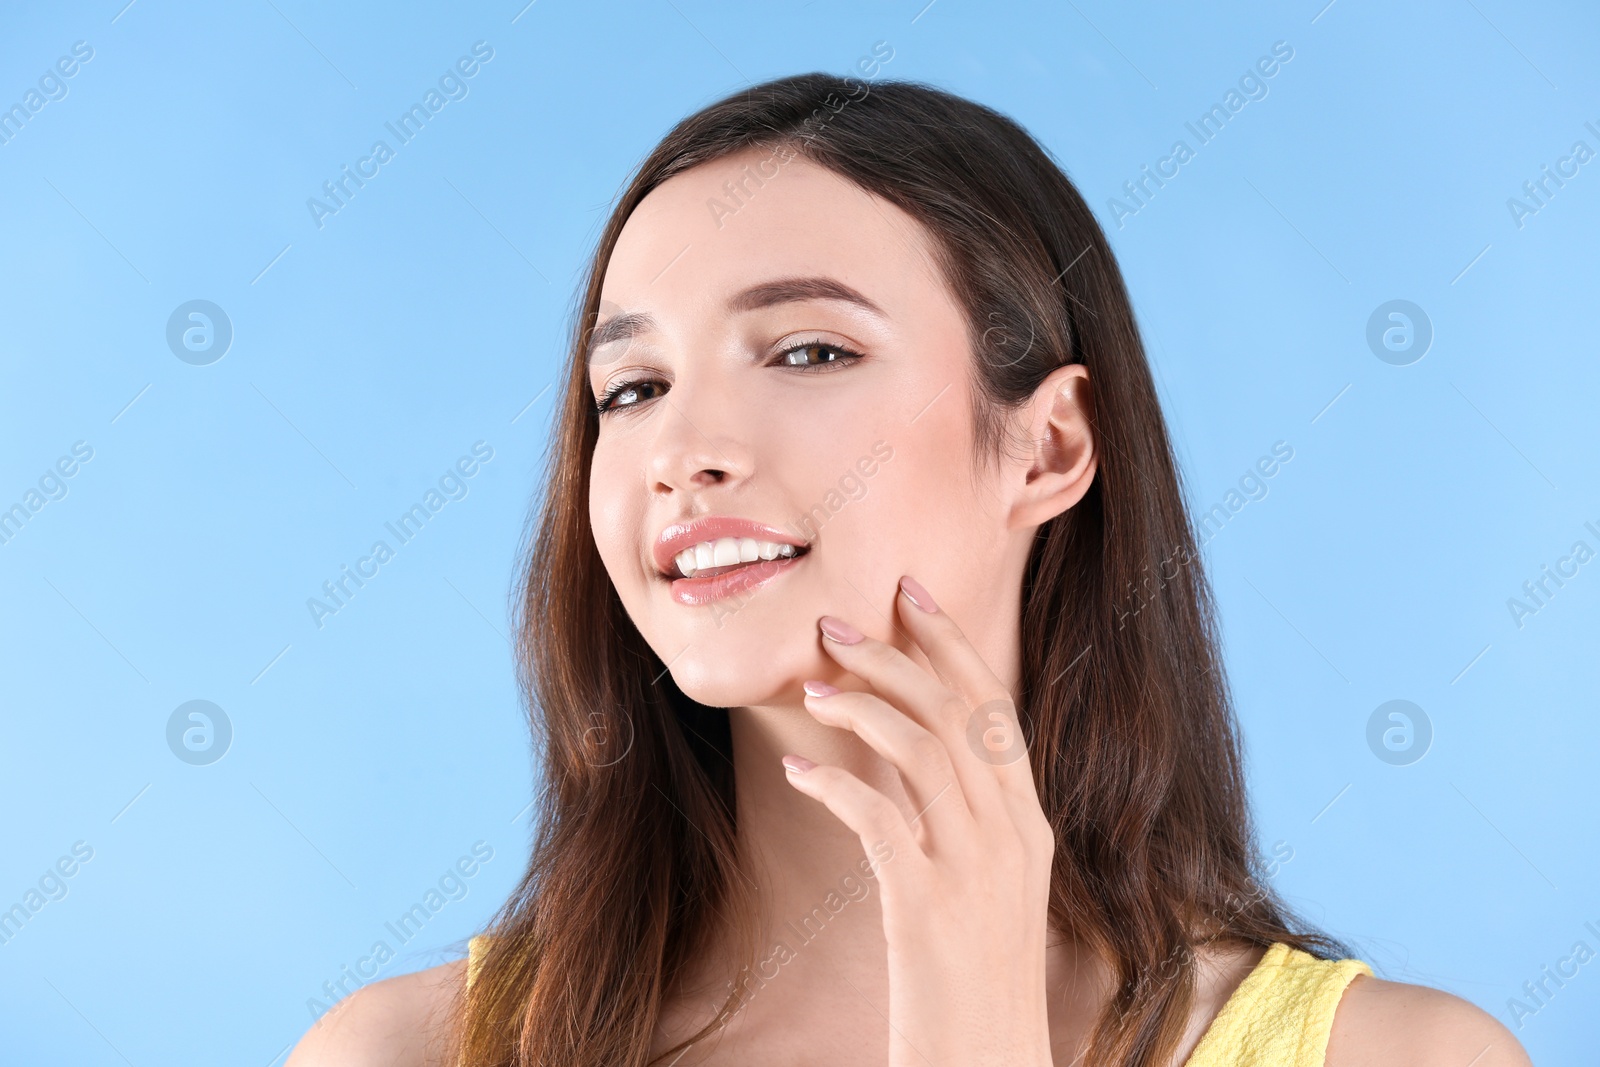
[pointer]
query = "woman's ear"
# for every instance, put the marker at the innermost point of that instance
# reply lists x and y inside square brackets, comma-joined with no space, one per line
[1064,450]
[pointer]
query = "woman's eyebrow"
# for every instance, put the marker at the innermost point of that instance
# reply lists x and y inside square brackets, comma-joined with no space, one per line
[785,290]
[618,328]
[762,295]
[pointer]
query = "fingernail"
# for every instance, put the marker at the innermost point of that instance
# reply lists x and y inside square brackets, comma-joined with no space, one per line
[916,594]
[797,764]
[839,630]
[820,689]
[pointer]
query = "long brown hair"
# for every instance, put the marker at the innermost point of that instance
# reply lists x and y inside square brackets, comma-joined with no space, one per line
[1122,699]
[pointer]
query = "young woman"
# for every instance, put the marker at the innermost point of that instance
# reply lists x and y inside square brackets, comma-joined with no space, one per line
[881,711]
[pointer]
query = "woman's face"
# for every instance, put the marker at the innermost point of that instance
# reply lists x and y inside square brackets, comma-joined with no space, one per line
[855,447]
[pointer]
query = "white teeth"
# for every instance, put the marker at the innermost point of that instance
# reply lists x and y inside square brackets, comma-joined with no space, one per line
[727,551]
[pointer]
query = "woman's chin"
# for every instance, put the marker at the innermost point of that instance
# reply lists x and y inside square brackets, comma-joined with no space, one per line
[719,684]
[729,693]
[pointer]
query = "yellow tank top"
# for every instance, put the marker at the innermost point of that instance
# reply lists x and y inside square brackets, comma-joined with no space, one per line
[475,950]
[1280,1016]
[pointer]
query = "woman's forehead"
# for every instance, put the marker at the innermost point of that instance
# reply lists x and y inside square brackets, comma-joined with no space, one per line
[718,227]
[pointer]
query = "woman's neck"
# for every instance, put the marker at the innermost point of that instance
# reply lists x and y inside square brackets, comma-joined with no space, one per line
[820,950]
[793,850]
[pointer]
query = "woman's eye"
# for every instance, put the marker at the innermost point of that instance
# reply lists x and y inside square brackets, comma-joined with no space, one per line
[624,395]
[801,355]
[811,356]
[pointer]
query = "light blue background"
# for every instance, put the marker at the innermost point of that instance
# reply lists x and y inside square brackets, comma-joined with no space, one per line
[430,314]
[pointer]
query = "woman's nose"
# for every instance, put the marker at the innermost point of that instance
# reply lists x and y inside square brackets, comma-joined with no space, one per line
[697,445]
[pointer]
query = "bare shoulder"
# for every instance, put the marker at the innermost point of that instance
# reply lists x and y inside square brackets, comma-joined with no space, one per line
[398,1022]
[1380,1023]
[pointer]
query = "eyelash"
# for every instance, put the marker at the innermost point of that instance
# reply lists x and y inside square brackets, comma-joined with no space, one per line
[846,355]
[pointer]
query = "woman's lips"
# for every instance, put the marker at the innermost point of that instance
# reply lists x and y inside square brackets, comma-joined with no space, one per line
[699,590]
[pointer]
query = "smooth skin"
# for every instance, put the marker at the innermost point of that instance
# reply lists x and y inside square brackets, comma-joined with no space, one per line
[979,846]
[948,957]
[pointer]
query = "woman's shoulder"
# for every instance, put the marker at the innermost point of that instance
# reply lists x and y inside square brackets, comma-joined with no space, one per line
[1381,1022]
[396,1022]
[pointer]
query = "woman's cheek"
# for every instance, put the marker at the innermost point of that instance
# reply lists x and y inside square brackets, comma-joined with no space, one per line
[616,536]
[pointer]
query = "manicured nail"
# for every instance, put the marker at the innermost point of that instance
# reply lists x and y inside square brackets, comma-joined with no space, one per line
[820,689]
[797,764]
[839,630]
[916,594]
